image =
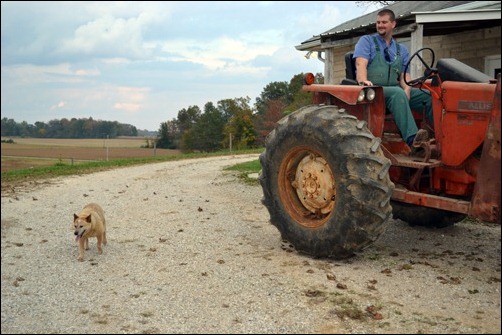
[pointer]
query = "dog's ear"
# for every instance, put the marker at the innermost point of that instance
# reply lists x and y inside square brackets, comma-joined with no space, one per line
[88,218]
[75,216]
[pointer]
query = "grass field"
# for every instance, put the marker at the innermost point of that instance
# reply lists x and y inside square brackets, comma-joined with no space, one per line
[34,152]
[121,142]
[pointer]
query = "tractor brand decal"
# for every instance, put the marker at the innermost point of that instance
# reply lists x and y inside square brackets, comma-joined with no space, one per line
[475,105]
[467,119]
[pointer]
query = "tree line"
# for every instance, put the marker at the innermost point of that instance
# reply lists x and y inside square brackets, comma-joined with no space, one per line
[234,123]
[228,124]
[64,128]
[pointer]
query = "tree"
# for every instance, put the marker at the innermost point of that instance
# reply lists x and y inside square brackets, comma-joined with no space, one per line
[300,97]
[288,99]
[167,135]
[187,118]
[277,90]
[264,124]
[41,129]
[231,107]
[207,134]
[9,127]
[368,3]
[239,128]
[240,131]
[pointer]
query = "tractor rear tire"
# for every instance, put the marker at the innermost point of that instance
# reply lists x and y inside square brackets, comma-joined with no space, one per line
[325,182]
[416,215]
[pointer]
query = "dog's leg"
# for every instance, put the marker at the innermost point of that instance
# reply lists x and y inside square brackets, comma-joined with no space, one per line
[86,240]
[104,232]
[81,247]
[100,239]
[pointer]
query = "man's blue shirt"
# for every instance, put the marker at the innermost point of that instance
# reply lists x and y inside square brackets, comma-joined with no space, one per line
[366,48]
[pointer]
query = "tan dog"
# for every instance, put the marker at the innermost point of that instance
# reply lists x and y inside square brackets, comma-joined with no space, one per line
[90,222]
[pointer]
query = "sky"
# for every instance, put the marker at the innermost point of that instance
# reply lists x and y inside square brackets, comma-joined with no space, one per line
[140,63]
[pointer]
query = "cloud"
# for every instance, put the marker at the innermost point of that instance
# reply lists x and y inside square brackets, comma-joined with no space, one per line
[107,37]
[30,75]
[59,105]
[130,98]
[227,55]
[128,107]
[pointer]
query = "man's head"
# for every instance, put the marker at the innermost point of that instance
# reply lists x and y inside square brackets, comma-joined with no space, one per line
[385,22]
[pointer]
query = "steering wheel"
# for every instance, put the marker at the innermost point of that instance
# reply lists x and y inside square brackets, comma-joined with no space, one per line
[429,71]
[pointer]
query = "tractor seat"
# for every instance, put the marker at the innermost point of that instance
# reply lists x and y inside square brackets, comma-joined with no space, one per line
[350,70]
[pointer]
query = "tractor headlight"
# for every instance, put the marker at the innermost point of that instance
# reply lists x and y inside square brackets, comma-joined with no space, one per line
[370,94]
[360,97]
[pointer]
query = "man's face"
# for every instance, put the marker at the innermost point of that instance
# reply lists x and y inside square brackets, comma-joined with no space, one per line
[384,25]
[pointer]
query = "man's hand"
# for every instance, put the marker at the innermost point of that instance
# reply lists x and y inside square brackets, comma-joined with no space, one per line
[365,83]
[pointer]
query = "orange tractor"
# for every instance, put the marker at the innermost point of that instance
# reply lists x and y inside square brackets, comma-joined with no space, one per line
[335,172]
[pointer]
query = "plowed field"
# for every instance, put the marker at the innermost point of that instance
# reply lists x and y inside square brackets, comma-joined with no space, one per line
[29,152]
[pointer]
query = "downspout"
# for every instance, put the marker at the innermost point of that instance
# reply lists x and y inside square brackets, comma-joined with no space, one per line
[319,56]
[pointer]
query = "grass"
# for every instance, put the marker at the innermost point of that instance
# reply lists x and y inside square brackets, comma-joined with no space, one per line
[61,169]
[246,170]
[347,308]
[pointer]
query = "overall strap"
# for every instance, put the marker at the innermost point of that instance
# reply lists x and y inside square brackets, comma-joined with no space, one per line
[377,45]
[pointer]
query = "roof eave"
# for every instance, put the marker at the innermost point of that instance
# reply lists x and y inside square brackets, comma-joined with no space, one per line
[313,45]
[478,15]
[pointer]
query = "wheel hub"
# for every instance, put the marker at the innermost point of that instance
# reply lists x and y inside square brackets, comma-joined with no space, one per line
[315,184]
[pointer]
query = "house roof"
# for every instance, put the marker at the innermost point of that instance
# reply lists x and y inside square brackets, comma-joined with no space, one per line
[438,17]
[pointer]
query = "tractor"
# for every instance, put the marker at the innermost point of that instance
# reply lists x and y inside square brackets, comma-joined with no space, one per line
[334,173]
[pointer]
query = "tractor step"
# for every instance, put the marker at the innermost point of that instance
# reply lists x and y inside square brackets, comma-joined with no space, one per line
[414,162]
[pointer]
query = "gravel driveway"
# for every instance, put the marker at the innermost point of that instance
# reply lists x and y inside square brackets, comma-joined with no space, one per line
[190,250]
